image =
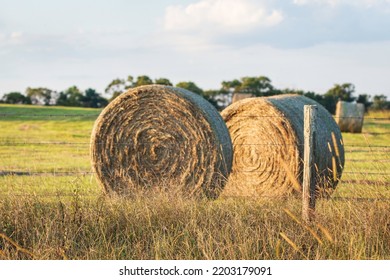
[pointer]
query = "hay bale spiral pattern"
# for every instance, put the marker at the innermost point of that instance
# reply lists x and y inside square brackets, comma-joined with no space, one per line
[267,136]
[161,136]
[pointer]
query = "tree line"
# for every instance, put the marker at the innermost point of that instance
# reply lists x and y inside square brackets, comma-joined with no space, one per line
[220,98]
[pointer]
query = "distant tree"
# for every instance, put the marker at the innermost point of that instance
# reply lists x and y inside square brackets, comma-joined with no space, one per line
[119,86]
[115,88]
[39,95]
[209,95]
[217,98]
[62,99]
[315,96]
[92,99]
[364,99]
[292,91]
[225,95]
[143,81]
[379,102]
[129,82]
[258,86]
[338,92]
[343,92]
[231,86]
[309,94]
[74,96]
[191,86]
[16,98]
[70,97]
[163,81]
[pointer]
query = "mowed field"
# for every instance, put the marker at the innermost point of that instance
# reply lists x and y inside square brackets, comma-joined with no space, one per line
[51,206]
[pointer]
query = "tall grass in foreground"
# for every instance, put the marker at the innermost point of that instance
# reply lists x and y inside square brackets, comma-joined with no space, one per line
[166,226]
[68,217]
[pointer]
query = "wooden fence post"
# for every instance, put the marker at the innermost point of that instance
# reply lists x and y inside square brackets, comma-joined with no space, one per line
[309,182]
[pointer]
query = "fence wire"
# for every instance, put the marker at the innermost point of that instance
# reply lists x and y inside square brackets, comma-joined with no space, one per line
[5,115]
[27,143]
[349,148]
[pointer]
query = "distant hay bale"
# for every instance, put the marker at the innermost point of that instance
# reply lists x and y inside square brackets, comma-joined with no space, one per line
[153,136]
[267,136]
[350,116]
[239,96]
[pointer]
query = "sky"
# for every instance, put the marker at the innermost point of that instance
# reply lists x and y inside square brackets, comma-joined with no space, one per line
[299,44]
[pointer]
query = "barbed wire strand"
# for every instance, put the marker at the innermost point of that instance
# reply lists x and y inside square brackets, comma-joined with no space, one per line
[248,197]
[96,115]
[12,143]
[29,172]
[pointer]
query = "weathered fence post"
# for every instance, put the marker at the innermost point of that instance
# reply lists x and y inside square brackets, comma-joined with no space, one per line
[309,182]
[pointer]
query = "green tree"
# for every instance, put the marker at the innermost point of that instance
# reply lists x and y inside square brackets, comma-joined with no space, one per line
[163,81]
[231,86]
[191,86]
[115,88]
[92,99]
[379,102]
[343,92]
[143,81]
[217,98]
[39,95]
[338,92]
[119,86]
[74,96]
[258,86]
[292,91]
[62,99]
[315,96]
[364,99]
[210,95]
[129,82]
[16,98]
[70,97]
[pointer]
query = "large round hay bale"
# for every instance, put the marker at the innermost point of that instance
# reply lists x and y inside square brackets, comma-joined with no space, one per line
[161,136]
[267,136]
[350,116]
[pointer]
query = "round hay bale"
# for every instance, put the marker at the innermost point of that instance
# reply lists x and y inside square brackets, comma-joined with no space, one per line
[267,136]
[350,116]
[161,136]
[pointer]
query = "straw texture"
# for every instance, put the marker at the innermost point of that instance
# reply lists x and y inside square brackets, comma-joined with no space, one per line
[267,136]
[350,116]
[161,136]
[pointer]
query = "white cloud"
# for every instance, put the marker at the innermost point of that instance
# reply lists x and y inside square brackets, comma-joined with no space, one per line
[16,35]
[227,16]
[332,3]
[10,39]
[335,3]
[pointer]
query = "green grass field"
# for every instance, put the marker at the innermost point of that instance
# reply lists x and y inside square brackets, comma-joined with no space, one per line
[53,207]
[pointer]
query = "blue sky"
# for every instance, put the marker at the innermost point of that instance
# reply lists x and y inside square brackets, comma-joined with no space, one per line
[303,44]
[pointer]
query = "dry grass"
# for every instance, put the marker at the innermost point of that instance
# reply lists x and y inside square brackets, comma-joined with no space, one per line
[68,217]
[169,227]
